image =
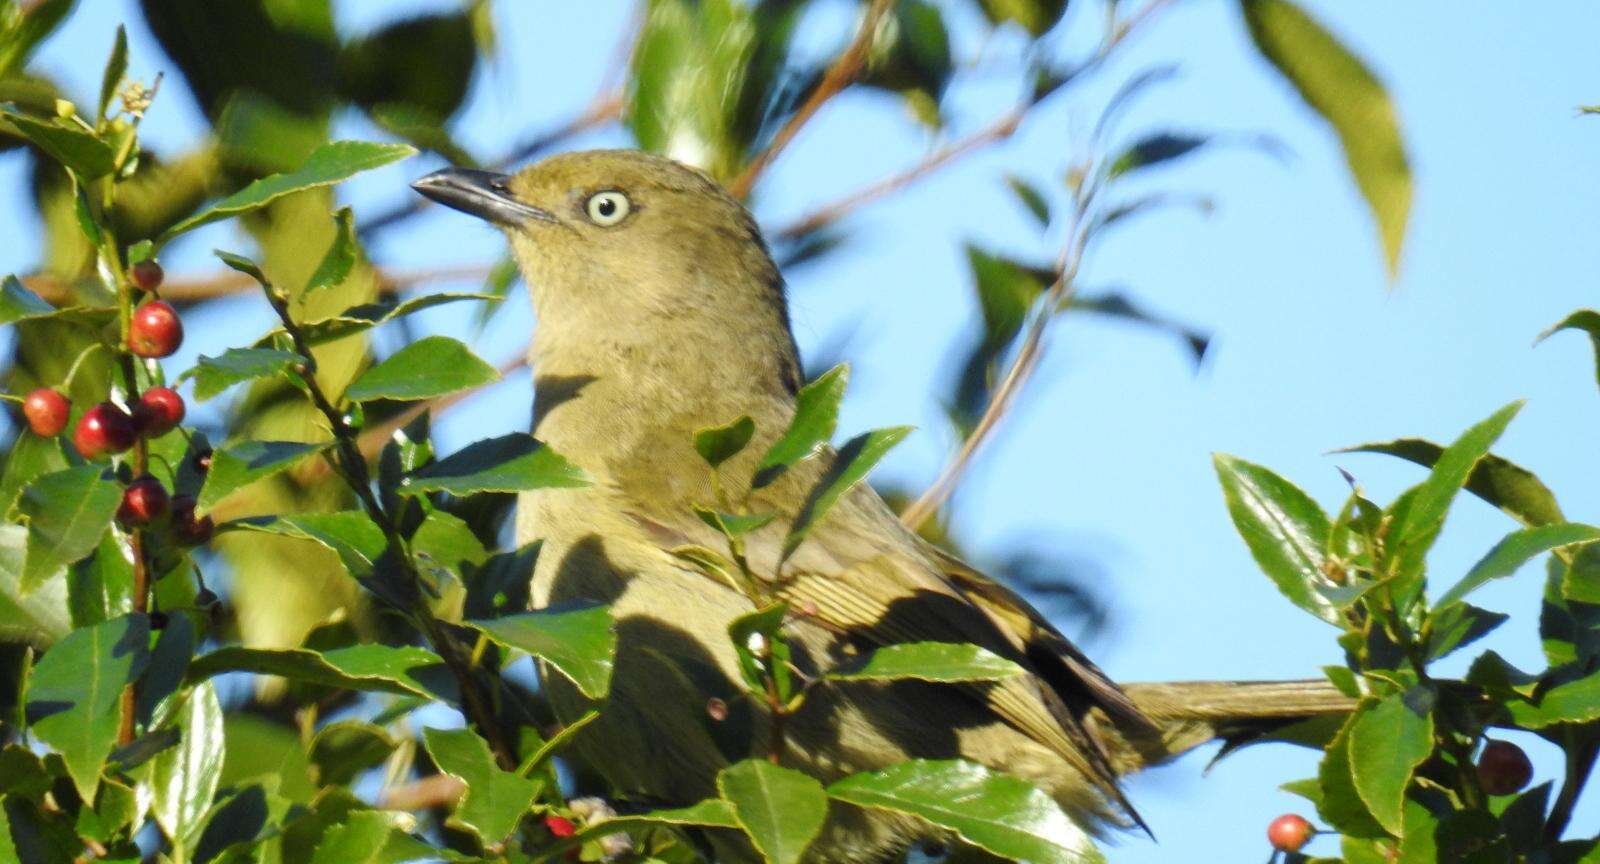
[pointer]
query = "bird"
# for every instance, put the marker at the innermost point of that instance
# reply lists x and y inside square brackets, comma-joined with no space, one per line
[660,312]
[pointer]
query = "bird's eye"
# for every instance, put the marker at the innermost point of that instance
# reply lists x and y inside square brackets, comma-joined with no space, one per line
[608,208]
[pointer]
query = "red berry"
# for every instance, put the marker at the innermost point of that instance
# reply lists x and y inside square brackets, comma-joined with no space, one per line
[46,411]
[159,411]
[1503,768]
[103,430]
[145,275]
[155,330]
[560,826]
[1289,833]
[185,527]
[143,502]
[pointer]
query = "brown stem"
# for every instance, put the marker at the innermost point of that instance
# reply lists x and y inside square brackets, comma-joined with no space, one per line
[840,75]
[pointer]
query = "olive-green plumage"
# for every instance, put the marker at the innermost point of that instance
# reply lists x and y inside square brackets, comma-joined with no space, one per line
[670,319]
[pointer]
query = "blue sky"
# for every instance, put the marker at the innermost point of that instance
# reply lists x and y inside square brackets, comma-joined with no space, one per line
[1108,456]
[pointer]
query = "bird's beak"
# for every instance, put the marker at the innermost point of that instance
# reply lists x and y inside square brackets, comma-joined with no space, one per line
[483,194]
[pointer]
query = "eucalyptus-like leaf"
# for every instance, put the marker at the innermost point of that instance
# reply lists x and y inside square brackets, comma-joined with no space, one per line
[340,259]
[1586,320]
[1284,529]
[509,463]
[75,694]
[494,800]
[213,375]
[929,661]
[402,670]
[850,466]
[184,778]
[1515,550]
[780,809]
[1338,86]
[1502,483]
[64,141]
[1387,743]
[718,444]
[330,163]
[427,368]
[67,513]
[816,415]
[579,641]
[996,812]
[246,462]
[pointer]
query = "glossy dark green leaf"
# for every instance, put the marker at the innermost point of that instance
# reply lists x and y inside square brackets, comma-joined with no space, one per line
[64,141]
[1031,198]
[718,444]
[424,63]
[340,259]
[1449,474]
[1387,743]
[996,812]
[1501,483]
[763,649]
[246,462]
[501,585]
[1035,16]
[850,466]
[262,749]
[1284,529]
[444,542]
[929,661]
[328,164]
[374,837]
[213,375]
[494,799]
[350,534]
[37,617]
[1516,549]
[816,415]
[430,367]
[67,514]
[184,779]
[169,662]
[116,67]
[365,316]
[1457,625]
[1574,701]
[1569,628]
[38,837]
[781,809]
[579,641]
[402,670]
[75,693]
[17,303]
[509,463]
[1338,86]
[343,749]
[30,458]
[1586,320]
[100,587]
[1340,804]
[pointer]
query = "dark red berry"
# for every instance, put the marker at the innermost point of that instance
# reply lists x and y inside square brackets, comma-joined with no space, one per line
[47,411]
[187,529]
[145,275]
[1503,768]
[1289,833]
[560,826]
[103,430]
[143,502]
[155,330]
[159,411]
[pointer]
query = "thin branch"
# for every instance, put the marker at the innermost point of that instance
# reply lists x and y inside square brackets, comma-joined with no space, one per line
[840,75]
[200,288]
[827,214]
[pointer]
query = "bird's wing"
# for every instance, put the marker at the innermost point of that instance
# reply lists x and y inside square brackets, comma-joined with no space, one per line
[859,572]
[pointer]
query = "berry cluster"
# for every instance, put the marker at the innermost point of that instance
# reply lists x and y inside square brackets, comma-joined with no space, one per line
[106,429]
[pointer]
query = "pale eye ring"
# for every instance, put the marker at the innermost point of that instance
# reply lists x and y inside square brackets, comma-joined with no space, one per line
[608,208]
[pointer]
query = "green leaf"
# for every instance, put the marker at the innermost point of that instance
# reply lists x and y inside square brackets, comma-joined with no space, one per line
[510,463]
[1387,743]
[1515,550]
[1284,529]
[710,813]
[1006,292]
[1501,483]
[733,524]
[501,584]
[996,812]
[365,316]
[781,809]
[37,617]
[579,641]
[1459,624]
[1433,496]
[328,164]
[431,366]
[350,534]
[1586,320]
[17,303]
[1338,86]
[402,670]
[26,26]
[30,458]
[1340,804]
[343,749]
[494,799]
[1155,149]
[1572,702]
[1035,16]
[116,67]
[1569,627]
[75,694]
[851,465]
[816,415]
[1117,305]
[246,462]
[423,63]
[340,259]
[184,778]
[64,141]
[1031,198]
[67,514]
[213,375]
[929,661]
[718,444]
[763,650]
[242,264]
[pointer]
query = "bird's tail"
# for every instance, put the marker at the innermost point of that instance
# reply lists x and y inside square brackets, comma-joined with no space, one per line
[1187,714]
